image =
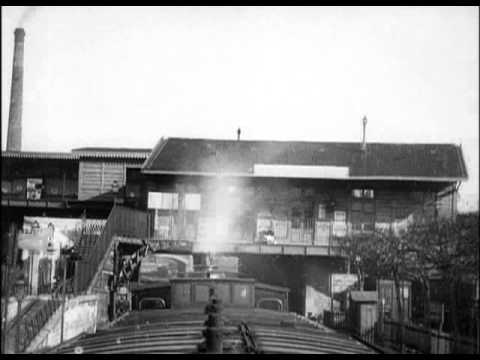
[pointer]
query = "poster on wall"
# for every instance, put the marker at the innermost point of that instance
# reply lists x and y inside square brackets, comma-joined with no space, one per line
[164,201]
[38,232]
[34,189]
[339,229]
[342,282]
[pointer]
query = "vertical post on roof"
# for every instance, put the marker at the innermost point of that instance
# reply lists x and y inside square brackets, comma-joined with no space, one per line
[364,142]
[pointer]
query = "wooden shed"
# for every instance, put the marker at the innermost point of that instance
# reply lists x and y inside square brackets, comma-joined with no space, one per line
[363,311]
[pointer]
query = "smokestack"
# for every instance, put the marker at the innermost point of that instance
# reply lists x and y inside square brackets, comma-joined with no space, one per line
[364,141]
[238,134]
[14,136]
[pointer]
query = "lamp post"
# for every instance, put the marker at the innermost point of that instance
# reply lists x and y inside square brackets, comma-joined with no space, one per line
[51,251]
[20,294]
[358,259]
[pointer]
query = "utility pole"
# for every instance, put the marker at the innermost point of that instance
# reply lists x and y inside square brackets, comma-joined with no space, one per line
[477,305]
[11,264]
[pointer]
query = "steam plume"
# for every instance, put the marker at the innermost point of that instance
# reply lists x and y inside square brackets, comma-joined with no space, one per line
[27,15]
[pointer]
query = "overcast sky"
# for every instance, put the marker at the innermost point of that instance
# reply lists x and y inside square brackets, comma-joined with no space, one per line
[127,76]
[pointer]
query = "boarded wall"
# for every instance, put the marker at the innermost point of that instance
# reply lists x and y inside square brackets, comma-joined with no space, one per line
[98,177]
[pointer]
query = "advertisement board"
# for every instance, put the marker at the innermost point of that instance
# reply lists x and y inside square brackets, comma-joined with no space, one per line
[34,189]
[39,231]
[342,282]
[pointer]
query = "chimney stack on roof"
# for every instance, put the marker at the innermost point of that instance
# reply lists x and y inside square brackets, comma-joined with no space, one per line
[364,140]
[14,136]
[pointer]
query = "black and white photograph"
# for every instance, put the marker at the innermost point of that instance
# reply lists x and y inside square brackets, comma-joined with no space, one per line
[240,180]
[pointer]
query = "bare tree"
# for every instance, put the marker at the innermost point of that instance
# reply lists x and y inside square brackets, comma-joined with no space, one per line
[448,248]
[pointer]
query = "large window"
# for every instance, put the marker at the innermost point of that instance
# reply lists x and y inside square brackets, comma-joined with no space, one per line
[363,215]
[192,201]
[363,193]
[322,212]
[163,201]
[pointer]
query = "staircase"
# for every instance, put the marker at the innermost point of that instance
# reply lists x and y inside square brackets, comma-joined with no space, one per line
[26,326]
[93,246]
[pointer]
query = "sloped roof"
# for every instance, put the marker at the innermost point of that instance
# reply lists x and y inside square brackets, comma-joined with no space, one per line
[39,155]
[109,152]
[381,160]
[85,152]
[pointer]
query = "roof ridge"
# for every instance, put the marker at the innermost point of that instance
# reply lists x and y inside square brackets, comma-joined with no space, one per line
[386,161]
[462,161]
[101,148]
[155,152]
[313,142]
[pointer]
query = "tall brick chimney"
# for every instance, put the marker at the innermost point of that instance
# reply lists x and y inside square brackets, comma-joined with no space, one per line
[14,136]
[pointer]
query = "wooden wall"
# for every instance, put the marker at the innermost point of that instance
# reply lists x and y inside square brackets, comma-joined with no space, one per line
[97,177]
[60,178]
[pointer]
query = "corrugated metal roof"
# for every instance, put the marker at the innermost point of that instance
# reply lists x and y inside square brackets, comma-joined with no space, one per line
[39,155]
[112,149]
[106,152]
[389,161]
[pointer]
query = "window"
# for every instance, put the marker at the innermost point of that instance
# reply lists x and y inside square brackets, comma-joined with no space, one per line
[164,201]
[363,193]
[296,218]
[340,216]
[357,227]
[357,193]
[6,187]
[363,215]
[322,212]
[192,201]
[368,227]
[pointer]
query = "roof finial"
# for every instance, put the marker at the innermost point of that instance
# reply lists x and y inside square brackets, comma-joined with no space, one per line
[364,141]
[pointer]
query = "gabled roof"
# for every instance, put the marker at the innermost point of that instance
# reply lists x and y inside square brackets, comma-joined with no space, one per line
[382,161]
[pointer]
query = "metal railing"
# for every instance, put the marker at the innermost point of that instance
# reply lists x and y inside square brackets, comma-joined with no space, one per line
[244,229]
[27,325]
[336,320]
[34,324]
